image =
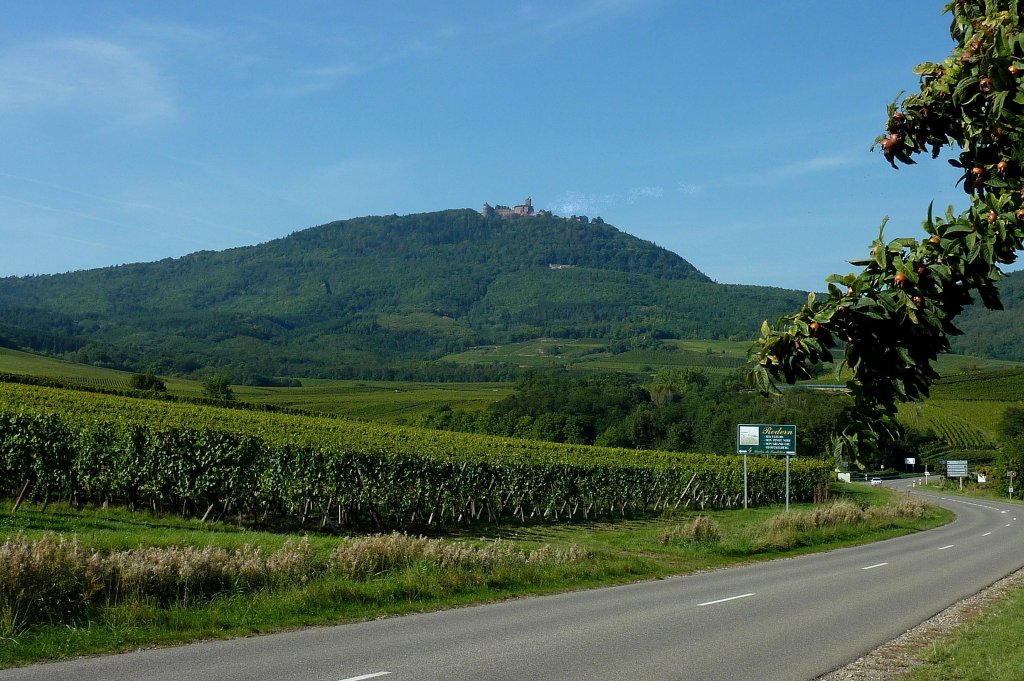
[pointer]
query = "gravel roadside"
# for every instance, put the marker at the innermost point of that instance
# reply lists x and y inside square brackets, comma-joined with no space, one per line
[896,658]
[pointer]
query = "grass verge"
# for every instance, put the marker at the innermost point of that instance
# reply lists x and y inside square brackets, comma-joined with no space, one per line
[987,648]
[612,553]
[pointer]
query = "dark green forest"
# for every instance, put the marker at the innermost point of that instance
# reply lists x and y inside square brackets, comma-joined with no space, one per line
[378,297]
[995,333]
[680,410]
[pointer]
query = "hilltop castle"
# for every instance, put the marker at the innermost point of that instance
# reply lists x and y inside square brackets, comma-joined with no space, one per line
[523,210]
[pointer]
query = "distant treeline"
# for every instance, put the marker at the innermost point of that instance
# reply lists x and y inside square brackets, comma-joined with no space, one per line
[681,410]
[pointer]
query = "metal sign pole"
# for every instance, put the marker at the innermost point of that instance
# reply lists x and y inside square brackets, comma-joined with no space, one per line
[787,483]
[744,481]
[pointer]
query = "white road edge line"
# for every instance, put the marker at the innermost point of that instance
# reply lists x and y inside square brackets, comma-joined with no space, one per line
[365,676]
[968,503]
[872,567]
[723,600]
[947,546]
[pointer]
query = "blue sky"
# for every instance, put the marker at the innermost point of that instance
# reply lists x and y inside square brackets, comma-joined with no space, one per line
[735,134]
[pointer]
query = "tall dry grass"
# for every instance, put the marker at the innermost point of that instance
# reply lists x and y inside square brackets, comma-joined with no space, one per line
[786,530]
[368,556]
[701,529]
[51,579]
[47,579]
[845,512]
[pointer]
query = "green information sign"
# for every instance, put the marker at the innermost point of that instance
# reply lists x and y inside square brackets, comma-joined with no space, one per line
[765,439]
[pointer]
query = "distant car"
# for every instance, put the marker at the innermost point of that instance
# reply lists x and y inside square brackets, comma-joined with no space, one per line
[876,481]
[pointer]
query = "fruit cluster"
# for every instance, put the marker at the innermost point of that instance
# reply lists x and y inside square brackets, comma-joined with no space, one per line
[895,316]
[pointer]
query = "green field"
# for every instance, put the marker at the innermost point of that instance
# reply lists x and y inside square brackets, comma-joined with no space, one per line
[17,362]
[990,384]
[593,354]
[390,402]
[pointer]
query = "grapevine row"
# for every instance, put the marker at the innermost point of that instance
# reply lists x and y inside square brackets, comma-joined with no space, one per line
[273,469]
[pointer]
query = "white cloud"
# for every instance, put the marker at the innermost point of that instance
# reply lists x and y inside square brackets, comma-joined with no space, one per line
[689,189]
[83,76]
[311,81]
[796,169]
[369,58]
[575,17]
[644,193]
[578,203]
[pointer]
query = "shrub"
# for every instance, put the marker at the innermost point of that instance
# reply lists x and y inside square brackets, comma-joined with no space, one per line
[701,529]
[147,382]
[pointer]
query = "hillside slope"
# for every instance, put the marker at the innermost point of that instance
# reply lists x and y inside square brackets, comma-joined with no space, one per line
[995,333]
[350,297]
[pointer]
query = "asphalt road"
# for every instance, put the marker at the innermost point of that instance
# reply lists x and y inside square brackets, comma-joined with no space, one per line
[788,619]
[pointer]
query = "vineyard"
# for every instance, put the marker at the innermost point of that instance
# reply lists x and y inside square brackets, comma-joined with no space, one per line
[274,469]
[949,425]
[1000,384]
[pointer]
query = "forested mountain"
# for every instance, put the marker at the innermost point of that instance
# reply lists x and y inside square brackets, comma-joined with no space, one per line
[995,333]
[356,297]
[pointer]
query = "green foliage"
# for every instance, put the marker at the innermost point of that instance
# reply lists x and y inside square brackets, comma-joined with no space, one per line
[217,386]
[895,316]
[1012,424]
[681,411]
[147,382]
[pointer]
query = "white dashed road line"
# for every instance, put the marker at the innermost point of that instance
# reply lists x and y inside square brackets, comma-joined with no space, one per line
[723,600]
[365,676]
[872,567]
